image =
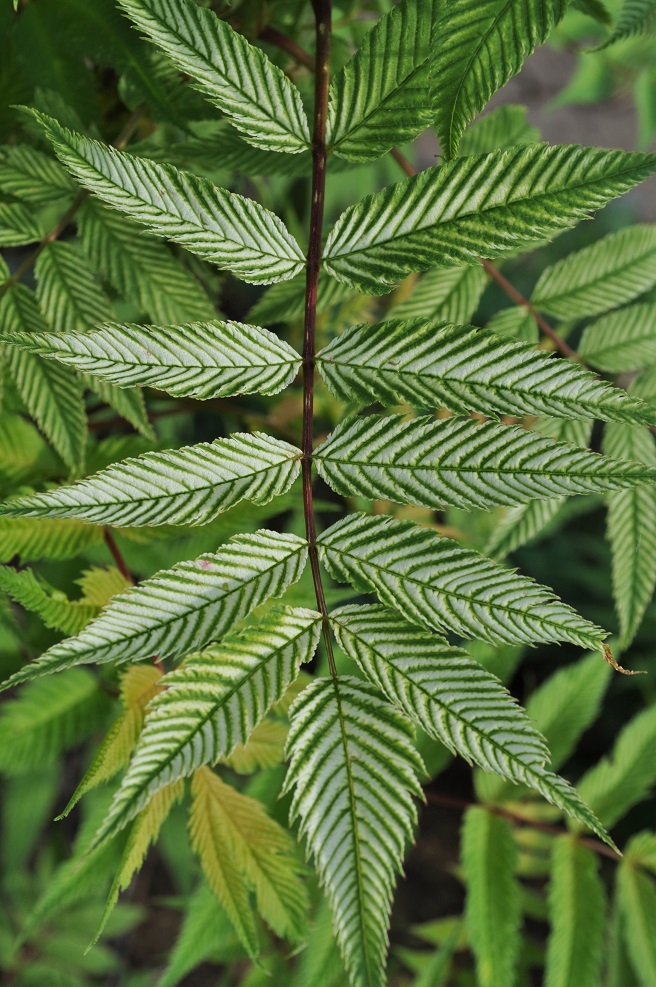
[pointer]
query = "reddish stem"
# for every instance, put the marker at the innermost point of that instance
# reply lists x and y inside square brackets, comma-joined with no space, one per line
[322,13]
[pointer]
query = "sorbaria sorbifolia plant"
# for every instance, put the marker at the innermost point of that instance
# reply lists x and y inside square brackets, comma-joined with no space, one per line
[437,414]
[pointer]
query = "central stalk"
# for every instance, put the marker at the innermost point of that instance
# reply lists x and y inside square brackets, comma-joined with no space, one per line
[322,13]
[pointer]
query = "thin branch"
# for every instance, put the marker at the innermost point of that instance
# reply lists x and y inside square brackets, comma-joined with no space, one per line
[115,552]
[59,227]
[285,43]
[517,297]
[462,805]
[322,13]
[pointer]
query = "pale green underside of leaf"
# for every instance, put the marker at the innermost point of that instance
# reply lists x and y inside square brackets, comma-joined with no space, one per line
[212,703]
[567,703]
[69,293]
[609,273]
[623,340]
[577,914]
[32,176]
[18,226]
[192,485]
[51,605]
[460,463]
[515,323]
[631,531]
[625,777]
[52,395]
[381,97]
[450,295]
[504,126]
[481,46]
[522,524]
[493,904]
[47,718]
[255,95]
[636,17]
[235,233]
[353,772]
[466,369]
[437,583]
[480,206]
[202,360]
[182,608]
[450,696]
[141,268]
[637,900]
[32,539]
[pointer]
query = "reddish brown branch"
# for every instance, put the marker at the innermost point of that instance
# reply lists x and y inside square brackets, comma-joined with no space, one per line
[322,13]
[115,552]
[451,802]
